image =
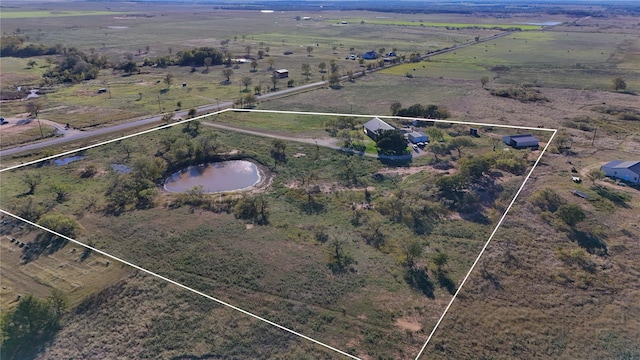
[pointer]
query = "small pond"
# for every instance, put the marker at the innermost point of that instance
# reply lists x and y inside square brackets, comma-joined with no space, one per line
[65,161]
[124,169]
[215,177]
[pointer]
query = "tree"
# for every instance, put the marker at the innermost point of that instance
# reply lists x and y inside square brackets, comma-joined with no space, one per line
[248,49]
[278,151]
[395,107]
[437,148]
[254,65]
[338,257]
[322,67]
[31,64]
[334,79]
[306,70]
[271,61]
[595,175]
[452,185]
[166,118]
[619,84]
[250,100]
[58,223]
[168,79]
[246,81]
[460,142]
[476,166]
[32,181]
[411,249]
[391,142]
[30,325]
[571,214]
[61,191]
[435,134]
[440,260]
[484,81]
[207,62]
[290,83]
[309,50]
[192,113]
[260,54]
[227,74]
[563,139]
[274,80]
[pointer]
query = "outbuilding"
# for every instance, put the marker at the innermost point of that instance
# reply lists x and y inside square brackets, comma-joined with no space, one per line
[417,137]
[281,74]
[374,126]
[628,171]
[370,55]
[522,141]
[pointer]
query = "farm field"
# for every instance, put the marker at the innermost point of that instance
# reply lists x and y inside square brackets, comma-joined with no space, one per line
[359,253]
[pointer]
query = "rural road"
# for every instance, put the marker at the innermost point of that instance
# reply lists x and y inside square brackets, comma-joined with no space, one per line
[79,135]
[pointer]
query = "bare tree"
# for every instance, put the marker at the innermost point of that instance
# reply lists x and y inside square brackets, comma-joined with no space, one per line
[168,79]
[246,81]
[227,73]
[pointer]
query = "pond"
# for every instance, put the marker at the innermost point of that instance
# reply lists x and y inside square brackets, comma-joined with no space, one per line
[215,177]
[65,161]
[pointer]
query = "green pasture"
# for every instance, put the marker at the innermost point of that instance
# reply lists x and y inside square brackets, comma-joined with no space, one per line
[49,14]
[575,60]
[437,24]
[439,69]
[303,125]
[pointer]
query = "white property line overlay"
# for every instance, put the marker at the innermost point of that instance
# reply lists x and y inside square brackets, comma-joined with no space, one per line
[293,113]
[485,246]
[179,285]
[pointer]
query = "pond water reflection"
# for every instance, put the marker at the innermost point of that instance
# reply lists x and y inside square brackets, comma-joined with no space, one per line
[215,177]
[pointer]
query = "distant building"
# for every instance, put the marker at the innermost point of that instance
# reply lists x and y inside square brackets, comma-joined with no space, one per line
[281,74]
[371,55]
[417,137]
[628,171]
[374,126]
[522,141]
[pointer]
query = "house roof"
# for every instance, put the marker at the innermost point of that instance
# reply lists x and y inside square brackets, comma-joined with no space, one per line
[620,164]
[375,125]
[520,139]
[417,134]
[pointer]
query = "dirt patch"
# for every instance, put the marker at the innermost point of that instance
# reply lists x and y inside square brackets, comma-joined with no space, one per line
[408,324]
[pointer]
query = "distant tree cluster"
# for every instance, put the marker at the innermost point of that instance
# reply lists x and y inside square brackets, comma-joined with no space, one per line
[76,66]
[14,46]
[418,110]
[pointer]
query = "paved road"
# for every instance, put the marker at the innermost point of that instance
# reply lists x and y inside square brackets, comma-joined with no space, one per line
[203,109]
[143,122]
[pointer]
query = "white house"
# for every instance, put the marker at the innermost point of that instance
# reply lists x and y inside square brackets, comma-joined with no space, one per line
[628,171]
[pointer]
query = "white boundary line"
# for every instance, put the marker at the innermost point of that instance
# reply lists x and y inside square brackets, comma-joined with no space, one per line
[485,247]
[294,113]
[180,285]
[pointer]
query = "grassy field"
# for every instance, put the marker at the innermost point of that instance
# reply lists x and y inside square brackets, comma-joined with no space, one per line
[576,60]
[53,13]
[438,24]
[279,271]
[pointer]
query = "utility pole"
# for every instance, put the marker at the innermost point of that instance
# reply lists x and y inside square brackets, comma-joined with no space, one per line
[595,131]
